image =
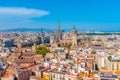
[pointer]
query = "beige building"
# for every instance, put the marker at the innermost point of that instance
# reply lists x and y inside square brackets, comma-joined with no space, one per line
[73,41]
[100,60]
[112,65]
[8,78]
[62,76]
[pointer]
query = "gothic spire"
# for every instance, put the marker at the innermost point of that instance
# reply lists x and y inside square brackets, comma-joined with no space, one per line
[59,34]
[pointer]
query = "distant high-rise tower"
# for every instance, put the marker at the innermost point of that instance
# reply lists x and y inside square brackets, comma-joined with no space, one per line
[34,47]
[42,38]
[41,30]
[59,34]
[52,39]
[19,44]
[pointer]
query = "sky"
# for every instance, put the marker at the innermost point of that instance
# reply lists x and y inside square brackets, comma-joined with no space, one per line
[86,15]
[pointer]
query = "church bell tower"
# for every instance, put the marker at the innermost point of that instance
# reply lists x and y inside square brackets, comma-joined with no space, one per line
[74,37]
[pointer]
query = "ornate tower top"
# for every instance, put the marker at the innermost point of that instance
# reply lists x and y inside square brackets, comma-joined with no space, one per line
[74,32]
[74,37]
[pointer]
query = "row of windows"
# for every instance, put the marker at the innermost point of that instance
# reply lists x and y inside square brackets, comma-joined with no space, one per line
[61,77]
[117,67]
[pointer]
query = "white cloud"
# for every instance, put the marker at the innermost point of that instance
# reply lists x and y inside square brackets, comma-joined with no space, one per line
[18,11]
[19,16]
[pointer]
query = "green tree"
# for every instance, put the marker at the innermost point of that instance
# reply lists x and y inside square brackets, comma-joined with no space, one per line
[118,60]
[41,50]
[109,58]
[96,67]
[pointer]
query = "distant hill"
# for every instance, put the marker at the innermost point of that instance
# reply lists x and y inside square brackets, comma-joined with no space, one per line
[26,30]
[33,30]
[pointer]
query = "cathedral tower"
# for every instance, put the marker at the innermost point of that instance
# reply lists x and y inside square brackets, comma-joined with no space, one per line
[74,37]
[59,34]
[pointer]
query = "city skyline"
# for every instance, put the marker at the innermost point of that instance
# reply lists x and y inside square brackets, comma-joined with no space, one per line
[94,15]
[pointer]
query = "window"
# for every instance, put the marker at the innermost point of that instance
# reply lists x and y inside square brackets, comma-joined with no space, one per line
[112,66]
[52,75]
[15,78]
[117,66]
